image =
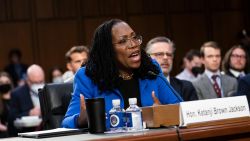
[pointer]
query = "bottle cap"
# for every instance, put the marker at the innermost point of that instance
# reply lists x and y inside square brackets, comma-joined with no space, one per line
[132,101]
[116,102]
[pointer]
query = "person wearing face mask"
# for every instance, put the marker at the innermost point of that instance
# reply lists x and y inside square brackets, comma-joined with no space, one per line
[56,75]
[25,100]
[5,87]
[193,66]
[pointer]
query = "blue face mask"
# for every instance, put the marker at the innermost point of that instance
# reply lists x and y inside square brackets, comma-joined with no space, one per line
[35,87]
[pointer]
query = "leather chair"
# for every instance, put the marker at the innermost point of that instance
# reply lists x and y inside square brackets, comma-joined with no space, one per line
[54,100]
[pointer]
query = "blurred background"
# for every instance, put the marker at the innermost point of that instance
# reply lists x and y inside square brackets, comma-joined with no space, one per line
[44,30]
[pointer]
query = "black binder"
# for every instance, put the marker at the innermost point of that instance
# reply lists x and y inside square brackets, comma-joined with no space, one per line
[53,133]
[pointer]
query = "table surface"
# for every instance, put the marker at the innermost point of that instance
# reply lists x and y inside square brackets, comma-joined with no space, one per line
[235,130]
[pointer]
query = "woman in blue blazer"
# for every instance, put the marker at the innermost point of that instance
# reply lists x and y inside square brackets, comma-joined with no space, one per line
[118,68]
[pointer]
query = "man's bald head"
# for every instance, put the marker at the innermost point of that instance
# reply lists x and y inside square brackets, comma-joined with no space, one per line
[35,74]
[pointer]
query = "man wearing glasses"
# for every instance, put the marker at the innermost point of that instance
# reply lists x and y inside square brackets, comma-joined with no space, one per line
[236,62]
[162,50]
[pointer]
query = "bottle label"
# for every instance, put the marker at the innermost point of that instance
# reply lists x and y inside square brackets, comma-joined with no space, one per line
[117,120]
[134,120]
[129,120]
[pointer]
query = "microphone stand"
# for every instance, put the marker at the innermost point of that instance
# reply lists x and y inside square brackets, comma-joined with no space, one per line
[170,87]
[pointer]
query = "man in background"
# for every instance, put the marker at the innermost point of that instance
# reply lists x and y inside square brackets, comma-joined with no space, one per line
[24,99]
[213,84]
[236,62]
[75,57]
[162,50]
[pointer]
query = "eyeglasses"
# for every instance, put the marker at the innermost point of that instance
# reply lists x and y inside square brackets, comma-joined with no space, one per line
[238,56]
[161,54]
[137,39]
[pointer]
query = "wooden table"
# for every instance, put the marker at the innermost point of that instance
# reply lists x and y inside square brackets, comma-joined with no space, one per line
[237,131]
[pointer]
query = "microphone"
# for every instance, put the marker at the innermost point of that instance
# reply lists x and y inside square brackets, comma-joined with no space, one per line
[168,84]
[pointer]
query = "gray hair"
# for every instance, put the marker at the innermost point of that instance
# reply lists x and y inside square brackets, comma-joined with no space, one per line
[157,40]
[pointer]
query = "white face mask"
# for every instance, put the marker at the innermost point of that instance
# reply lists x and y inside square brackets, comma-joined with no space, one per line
[34,87]
[57,79]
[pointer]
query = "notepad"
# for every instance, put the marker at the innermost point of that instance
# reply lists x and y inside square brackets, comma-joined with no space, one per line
[52,133]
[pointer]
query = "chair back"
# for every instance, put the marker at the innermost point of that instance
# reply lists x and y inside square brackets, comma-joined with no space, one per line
[54,100]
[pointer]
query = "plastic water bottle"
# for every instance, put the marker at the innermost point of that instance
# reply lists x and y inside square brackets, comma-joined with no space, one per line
[117,117]
[134,116]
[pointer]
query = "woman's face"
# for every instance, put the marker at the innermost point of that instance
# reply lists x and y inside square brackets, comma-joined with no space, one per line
[126,46]
[5,80]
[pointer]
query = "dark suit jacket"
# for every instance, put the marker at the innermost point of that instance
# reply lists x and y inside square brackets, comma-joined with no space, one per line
[230,74]
[244,87]
[20,104]
[184,88]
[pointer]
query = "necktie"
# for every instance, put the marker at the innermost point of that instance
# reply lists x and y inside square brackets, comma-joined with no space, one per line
[216,86]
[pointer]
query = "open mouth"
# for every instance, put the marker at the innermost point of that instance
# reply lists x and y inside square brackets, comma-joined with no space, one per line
[135,56]
[164,65]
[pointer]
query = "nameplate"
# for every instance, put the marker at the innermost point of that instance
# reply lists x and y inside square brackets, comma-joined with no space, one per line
[213,109]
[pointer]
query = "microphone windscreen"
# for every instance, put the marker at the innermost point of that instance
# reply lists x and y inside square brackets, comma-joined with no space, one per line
[152,73]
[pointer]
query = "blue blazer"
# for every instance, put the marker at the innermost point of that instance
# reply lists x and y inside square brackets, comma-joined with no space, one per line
[84,85]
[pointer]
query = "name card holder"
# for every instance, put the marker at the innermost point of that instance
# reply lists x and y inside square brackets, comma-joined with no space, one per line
[214,111]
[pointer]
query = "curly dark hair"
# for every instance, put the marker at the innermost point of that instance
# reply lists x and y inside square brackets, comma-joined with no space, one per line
[101,66]
[226,59]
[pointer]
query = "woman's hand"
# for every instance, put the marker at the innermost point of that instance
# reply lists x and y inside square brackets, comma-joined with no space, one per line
[155,99]
[82,120]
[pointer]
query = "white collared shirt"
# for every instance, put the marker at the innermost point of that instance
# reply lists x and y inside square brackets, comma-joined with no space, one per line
[35,99]
[237,73]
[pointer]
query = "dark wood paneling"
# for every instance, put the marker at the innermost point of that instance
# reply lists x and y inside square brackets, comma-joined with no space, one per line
[90,8]
[42,27]
[3,10]
[55,39]
[89,28]
[234,4]
[65,8]
[226,25]
[195,5]
[189,31]
[223,5]
[20,9]
[148,26]
[132,9]
[110,7]
[176,5]
[145,6]
[15,35]
[44,9]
